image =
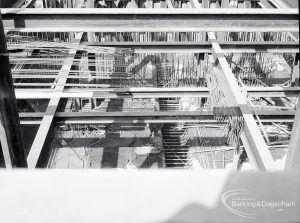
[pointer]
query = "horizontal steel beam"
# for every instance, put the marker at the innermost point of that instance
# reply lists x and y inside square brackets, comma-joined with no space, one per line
[149,92]
[121,117]
[113,93]
[144,20]
[203,116]
[202,113]
[272,91]
[202,47]
[145,120]
[99,121]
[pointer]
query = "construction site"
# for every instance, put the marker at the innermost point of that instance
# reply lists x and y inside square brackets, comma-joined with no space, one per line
[150,84]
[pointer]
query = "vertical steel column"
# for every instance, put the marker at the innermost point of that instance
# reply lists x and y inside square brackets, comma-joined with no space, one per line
[10,132]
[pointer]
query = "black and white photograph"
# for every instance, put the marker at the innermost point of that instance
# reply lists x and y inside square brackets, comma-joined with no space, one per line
[149,111]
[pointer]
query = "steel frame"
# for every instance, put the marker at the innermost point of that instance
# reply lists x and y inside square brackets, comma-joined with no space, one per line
[198,19]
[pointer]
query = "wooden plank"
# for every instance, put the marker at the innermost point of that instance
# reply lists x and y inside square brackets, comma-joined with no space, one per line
[40,138]
[293,156]
[10,132]
[142,20]
[256,148]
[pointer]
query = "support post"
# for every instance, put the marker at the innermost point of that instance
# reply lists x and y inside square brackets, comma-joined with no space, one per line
[10,131]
